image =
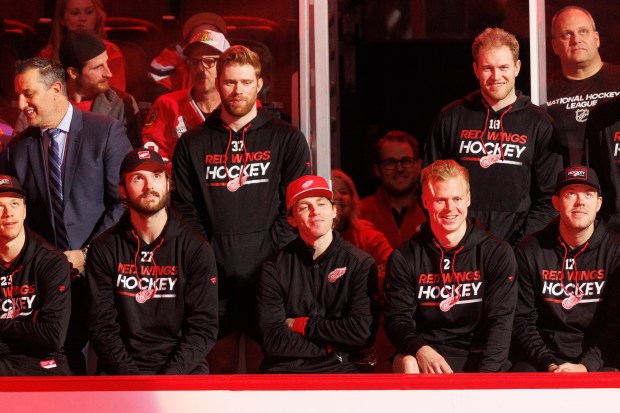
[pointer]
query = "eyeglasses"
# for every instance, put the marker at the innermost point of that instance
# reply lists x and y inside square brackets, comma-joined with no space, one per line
[390,163]
[207,62]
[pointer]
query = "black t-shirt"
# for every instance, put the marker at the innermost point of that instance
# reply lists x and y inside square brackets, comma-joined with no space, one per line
[569,102]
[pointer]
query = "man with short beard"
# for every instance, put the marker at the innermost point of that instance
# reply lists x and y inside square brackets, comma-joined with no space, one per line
[152,282]
[508,144]
[231,175]
[564,274]
[85,60]
[394,207]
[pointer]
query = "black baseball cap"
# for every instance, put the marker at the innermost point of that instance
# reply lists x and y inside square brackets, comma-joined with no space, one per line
[139,158]
[11,184]
[578,174]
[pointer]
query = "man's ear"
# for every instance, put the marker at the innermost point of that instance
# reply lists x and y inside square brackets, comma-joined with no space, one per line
[72,72]
[291,221]
[122,191]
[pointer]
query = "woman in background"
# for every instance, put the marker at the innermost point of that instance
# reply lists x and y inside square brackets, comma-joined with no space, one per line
[358,232]
[363,235]
[72,15]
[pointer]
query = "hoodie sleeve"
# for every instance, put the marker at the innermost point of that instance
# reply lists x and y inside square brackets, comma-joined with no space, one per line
[435,146]
[103,326]
[278,339]
[296,163]
[547,165]
[45,331]
[525,332]
[200,323]
[500,299]
[355,329]
[400,306]
[186,196]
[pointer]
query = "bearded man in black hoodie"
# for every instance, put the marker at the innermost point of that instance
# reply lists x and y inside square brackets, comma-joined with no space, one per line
[564,272]
[152,282]
[231,175]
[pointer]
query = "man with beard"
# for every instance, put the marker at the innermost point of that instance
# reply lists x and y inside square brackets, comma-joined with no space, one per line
[564,273]
[67,160]
[85,60]
[174,113]
[152,282]
[394,207]
[35,293]
[508,144]
[231,175]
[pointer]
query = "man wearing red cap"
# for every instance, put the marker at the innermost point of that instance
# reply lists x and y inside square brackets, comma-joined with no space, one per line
[152,282]
[174,113]
[317,298]
[35,302]
[564,272]
[168,70]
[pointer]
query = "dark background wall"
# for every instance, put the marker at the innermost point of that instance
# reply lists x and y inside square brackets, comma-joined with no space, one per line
[400,61]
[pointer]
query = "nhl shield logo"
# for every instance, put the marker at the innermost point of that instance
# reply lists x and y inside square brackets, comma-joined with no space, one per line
[337,273]
[581,115]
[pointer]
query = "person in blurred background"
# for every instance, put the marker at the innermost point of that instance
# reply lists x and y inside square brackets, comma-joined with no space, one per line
[169,70]
[366,237]
[71,15]
[358,232]
[394,208]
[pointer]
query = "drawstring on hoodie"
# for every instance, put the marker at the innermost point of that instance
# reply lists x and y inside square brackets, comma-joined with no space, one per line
[14,311]
[451,301]
[145,293]
[573,297]
[236,183]
[488,160]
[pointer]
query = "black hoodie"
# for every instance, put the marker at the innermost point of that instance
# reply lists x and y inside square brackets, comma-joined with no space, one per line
[37,282]
[511,197]
[602,153]
[170,333]
[247,225]
[548,328]
[337,293]
[420,278]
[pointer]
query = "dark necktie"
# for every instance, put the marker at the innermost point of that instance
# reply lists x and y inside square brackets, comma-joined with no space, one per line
[55,170]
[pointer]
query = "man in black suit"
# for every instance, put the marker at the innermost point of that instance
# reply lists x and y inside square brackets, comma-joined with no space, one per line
[68,162]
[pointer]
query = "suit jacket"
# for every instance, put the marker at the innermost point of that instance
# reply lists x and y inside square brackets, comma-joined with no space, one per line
[94,151]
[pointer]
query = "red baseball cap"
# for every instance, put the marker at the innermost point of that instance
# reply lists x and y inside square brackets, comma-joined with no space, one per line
[306,187]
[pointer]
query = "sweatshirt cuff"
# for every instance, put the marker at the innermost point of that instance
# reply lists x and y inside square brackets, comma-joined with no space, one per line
[545,361]
[414,345]
[299,325]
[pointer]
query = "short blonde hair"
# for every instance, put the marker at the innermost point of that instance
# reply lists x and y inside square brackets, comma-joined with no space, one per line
[443,170]
[495,38]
